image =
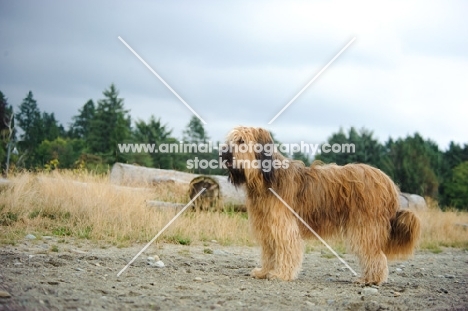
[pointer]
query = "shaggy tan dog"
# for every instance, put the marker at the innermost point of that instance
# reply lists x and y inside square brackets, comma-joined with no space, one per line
[356,201]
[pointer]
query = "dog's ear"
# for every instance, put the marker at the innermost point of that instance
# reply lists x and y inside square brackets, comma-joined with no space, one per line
[266,155]
[266,166]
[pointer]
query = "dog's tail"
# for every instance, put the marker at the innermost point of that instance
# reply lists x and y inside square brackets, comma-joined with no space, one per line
[404,235]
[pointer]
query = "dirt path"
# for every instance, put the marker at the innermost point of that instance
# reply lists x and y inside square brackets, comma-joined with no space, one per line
[83,277]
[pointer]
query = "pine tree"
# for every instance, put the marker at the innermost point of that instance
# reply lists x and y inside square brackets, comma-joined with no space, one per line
[51,128]
[451,158]
[82,122]
[367,149]
[457,187]
[154,132]
[109,127]
[414,163]
[30,121]
[195,132]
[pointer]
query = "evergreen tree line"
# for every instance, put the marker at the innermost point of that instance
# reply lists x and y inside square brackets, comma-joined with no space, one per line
[417,165]
[91,141]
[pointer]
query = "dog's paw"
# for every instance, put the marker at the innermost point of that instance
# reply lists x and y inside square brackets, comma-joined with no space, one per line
[259,273]
[365,282]
[280,276]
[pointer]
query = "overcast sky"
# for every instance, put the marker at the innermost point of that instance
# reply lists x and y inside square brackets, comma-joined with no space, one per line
[240,63]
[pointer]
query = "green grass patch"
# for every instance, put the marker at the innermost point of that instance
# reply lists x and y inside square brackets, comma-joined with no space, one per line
[8,218]
[432,247]
[179,239]
[62,231]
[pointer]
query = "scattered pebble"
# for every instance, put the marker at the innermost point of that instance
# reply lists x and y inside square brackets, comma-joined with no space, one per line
[369,291]
[78,251]
[30,237]
[4,294]
[198,279]
[46,237]
[450,276]
[154,261]
[153,258]
[397,270]
[219,252]
[214,241]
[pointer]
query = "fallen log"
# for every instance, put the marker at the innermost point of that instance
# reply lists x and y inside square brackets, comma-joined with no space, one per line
[220,194]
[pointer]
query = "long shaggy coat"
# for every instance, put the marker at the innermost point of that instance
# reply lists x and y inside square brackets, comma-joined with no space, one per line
[356,201]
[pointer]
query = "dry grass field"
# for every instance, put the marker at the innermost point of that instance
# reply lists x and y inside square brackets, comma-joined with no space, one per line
[86,206]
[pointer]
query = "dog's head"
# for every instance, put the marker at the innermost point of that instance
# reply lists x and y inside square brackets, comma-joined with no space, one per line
[248,155]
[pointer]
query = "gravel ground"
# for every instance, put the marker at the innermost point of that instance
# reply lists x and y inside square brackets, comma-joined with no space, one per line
[82,276]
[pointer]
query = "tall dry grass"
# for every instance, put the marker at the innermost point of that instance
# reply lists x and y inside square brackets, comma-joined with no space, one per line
[87,206]
[443,228]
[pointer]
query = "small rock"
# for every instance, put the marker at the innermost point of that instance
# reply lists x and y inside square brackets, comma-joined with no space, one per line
[46,237]
[157,264]
[30,237]
[398,270]
[198,279]
[372,306]
[78,251]
[418,275]
[4,294]
[310,303]
[214,241]
[449,276]
[369,291]
[219,252]
[79,269]
[17,263]
[153,258]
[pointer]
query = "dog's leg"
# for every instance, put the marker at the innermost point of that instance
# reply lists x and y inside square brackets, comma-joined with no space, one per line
[289,252]
[267,259]
[374,267]
[281,243]
[287,243]
[366,243]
